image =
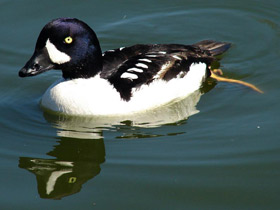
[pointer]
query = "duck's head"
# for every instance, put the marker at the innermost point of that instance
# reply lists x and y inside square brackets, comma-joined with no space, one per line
[69,45]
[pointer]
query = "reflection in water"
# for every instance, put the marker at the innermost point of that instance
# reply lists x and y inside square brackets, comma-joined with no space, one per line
[130,126]
[81,147]
[90,127]
[76,161]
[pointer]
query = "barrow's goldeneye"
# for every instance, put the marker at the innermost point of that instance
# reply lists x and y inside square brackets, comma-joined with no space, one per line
[120,81]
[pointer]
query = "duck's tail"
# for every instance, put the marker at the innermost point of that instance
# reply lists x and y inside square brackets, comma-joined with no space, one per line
[213,47]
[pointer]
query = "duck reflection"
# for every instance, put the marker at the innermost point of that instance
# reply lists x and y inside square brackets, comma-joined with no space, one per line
[80,149]
[76,161]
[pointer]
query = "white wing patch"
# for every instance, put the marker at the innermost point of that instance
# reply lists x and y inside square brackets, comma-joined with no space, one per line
[130,76]
[145,60]
[142,65]
[55,55]
[135,70]
[176,57]
[151,55]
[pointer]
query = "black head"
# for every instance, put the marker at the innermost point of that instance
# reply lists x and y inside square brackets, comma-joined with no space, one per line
[67,44]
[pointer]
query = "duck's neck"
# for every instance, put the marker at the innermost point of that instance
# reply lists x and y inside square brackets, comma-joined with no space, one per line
[89,66]
[84,70]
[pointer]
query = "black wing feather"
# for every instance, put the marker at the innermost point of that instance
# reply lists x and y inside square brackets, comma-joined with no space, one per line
[148,61]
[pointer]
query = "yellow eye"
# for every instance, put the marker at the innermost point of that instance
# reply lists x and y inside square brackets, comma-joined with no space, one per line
[68,40]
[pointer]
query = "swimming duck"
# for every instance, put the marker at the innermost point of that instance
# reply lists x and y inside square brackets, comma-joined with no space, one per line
[120,81]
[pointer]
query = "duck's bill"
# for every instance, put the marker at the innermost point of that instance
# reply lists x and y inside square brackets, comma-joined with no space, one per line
[38,63]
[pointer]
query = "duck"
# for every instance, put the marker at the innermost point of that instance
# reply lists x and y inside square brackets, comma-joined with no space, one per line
[120,81]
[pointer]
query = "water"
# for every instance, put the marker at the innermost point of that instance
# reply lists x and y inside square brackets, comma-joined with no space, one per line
[224,156]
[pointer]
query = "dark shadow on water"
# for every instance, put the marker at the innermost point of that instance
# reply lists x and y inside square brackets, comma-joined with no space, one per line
[75,162]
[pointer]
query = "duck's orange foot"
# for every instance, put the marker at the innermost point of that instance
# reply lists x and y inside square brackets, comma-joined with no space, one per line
[215,74]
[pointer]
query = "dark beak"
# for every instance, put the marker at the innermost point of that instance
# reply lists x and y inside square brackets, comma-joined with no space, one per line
[38,63]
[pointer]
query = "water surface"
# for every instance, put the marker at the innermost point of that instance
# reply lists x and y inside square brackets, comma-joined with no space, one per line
[225,155]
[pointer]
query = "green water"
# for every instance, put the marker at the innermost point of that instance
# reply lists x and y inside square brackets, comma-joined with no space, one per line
[226,156]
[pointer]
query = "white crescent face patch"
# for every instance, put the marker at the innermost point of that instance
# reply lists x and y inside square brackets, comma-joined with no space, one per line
[56,56]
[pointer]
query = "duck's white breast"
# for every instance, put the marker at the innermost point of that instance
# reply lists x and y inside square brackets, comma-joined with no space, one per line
[96,96]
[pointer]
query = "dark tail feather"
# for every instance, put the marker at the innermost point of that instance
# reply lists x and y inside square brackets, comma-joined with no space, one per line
[213,47]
